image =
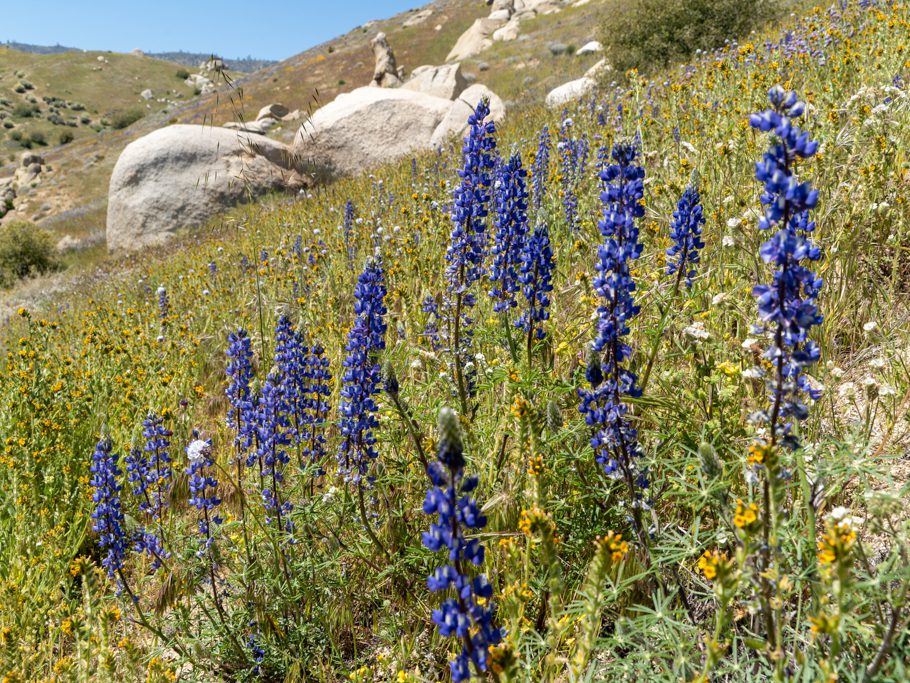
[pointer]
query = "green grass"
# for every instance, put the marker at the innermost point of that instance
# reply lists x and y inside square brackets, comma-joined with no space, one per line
[85,87]
[98,358]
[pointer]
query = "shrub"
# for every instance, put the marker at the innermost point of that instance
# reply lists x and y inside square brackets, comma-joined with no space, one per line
[649,34]
[123,119]
[25,250]
[182,74]
[25,111]
[36,137]
[66,136]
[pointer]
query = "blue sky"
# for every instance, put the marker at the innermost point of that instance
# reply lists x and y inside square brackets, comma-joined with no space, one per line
[267,30]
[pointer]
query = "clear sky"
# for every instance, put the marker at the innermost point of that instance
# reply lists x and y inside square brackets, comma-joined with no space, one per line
[231,28]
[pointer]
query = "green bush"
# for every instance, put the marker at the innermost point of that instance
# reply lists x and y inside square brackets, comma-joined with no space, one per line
[25,111]
[650,34]
[127,118]
[37,138]
[66,137]
[25,250]
[182,74]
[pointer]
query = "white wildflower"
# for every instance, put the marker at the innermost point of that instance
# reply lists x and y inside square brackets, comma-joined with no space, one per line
[197,450]
[697,331]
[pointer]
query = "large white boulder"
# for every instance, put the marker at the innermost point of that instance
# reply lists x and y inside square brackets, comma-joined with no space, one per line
[444,81]
[183,175]
[455,122]
[369,126]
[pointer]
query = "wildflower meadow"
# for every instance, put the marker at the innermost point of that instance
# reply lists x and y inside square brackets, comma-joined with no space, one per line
[592,395]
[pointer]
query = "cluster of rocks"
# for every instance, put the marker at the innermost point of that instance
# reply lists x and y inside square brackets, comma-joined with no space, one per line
[502,24]
[265,120]
[201,83]
[27,174]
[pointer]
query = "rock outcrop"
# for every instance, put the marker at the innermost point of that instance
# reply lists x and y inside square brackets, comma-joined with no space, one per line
[181,176]
[385,71]
[455,122]
[201,83]
[446,81]
[369,126]
[580,87]
[503,23]
[418,18]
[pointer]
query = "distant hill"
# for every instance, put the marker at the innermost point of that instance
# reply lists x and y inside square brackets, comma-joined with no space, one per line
[39,49]
[193,59]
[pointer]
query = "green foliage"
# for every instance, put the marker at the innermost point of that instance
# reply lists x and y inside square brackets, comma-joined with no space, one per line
[25,110]
[650,34]
[65,137]
[182,74]
[25,250]
[124,119]
[36,137]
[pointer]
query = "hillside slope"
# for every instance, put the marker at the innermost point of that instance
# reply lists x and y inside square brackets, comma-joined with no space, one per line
[72,200]
[278,563]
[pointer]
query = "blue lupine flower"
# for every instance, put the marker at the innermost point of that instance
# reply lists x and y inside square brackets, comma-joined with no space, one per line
[685,232]
[787,307]
[615,440]
[469,615]
[536,279]
[541,168]
[256,651]
[347,230]
[164,304]
[108,514]
[273,436]
[468,239]
[573,156]
[240,374]
[149,473]
[203,490]
[430,306]
[362,376]
[511,199]
[305,381]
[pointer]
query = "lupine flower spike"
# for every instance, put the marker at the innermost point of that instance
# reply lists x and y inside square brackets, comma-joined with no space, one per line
[511,198]
[108,513]
[203,490]
[787,307]
[685,231]
[537,265]
[615,440]
[362,375]
[468,615]
[468,241]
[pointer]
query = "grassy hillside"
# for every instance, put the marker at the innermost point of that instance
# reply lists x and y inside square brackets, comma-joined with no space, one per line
[742,560]
[79,94]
